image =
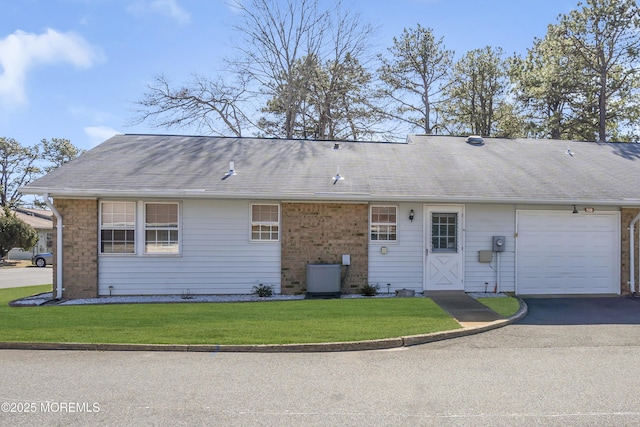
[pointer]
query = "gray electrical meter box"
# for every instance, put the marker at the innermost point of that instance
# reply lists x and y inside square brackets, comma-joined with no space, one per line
[498,243]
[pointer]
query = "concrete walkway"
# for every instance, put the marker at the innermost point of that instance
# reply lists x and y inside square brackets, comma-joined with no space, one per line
[465,310]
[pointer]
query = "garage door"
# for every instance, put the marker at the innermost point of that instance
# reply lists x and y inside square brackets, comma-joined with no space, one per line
[565,253]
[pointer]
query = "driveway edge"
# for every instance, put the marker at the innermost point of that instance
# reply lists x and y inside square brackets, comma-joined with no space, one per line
[382,344]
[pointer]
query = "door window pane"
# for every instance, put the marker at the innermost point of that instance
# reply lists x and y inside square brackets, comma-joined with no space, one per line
[444,232]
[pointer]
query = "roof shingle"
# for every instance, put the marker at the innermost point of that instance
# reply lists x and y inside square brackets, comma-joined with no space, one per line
[425,168]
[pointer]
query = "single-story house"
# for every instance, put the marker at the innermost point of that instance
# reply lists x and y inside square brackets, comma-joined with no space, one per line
[41,221]
[160,214]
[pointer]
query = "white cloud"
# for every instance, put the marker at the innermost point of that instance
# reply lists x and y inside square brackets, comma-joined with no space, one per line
[22,51]
[98,134]
[169,8]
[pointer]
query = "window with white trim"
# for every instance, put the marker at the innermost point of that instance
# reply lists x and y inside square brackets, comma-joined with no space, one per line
[265,222]
[161,228]
[117,227]
[383,223]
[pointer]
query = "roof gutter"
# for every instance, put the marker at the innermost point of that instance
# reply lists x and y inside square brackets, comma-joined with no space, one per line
[632,255]
[329,195]
[59,227]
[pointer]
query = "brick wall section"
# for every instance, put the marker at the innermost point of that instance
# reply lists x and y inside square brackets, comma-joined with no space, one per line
[627,215]
[80,248]
[322,233]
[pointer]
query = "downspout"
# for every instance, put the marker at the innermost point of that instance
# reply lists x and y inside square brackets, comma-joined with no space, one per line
[58,246]
[632,265]
[497,272]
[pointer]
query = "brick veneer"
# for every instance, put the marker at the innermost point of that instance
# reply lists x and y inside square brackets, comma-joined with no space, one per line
[322,233]
[80,248]
[627,216]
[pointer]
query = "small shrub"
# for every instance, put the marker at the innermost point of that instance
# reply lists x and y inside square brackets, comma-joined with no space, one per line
[263,291]
[369,290]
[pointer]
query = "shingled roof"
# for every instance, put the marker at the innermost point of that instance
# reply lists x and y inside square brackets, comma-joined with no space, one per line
[424,168]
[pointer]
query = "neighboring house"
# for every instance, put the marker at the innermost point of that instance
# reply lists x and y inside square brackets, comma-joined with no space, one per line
[154,214]
[41,220]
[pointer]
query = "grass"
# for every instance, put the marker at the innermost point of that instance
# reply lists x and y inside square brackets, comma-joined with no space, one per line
[506,307]
[275,322]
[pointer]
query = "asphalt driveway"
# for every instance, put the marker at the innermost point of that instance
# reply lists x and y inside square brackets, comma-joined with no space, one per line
[520,375]
[582,311]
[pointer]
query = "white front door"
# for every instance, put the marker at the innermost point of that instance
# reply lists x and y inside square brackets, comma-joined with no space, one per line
[444,248]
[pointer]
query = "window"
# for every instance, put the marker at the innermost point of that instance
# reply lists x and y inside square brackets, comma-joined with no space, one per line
[122,230]
[49,242]
[383,223]
[117,227]
[265,222]
[444,232]
[161,230]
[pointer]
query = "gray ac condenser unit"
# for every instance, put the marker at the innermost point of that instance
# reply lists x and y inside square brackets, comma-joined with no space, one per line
[323,280]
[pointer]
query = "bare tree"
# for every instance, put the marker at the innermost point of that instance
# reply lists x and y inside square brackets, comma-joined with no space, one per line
[275,38]
[300,67]
[342,110]
[323,97]
[212,106]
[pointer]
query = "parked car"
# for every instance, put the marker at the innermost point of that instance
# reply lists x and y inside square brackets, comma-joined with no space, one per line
[42,260]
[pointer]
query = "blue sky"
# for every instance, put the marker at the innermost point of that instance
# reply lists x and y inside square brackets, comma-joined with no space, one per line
[74,68]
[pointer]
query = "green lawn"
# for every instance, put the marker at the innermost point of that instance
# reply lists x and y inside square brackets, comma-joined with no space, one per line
[276,322]
[504,306]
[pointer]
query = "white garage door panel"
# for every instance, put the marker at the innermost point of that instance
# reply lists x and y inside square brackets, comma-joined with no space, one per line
[564,253]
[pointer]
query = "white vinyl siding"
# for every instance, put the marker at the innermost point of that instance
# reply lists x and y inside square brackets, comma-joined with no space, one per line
[482,222]
[217,257]
[401,266]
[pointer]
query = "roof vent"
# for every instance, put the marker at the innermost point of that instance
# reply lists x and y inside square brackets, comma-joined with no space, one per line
[475,140]
[337,177]
[232,171]
[336,146]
